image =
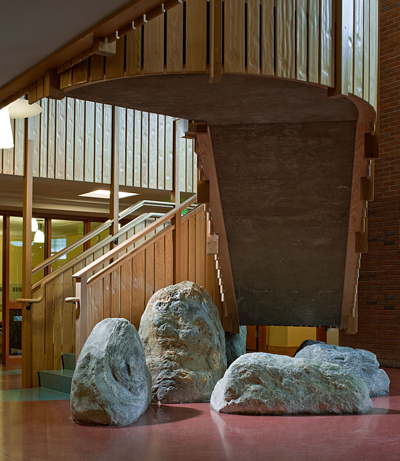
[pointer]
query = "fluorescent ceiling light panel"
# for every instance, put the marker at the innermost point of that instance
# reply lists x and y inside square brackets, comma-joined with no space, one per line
[106,194]
[6,137]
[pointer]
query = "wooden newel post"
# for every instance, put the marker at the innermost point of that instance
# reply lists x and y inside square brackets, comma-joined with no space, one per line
[26,266]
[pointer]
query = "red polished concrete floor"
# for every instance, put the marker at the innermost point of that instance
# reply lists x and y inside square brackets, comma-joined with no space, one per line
[43,430]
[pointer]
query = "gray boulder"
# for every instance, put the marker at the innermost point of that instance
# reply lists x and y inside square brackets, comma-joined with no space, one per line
[184,343]
[359,361]
[111,385]
[268,384]
[307,342]
[235,345]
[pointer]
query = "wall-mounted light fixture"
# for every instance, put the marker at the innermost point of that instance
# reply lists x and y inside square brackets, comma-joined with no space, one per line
[6,138]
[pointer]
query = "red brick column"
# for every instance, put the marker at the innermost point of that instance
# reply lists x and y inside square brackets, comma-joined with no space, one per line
[379,283]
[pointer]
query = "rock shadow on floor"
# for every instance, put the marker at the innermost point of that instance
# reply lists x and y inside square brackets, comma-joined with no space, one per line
[165,414]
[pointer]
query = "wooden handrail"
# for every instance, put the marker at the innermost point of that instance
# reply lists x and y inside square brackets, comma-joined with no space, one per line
[108,269]
[42,283]
[98,230]
[135,238]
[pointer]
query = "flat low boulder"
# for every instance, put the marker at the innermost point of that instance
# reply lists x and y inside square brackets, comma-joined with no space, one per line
[235,344]
[184,344]
[359,361]
[111,385]
[267,384]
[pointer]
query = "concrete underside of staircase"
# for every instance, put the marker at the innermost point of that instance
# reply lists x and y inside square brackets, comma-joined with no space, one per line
[284,160]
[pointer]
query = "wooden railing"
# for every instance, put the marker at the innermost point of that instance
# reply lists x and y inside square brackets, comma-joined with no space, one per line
[124,286]
[72,139]
[53,319]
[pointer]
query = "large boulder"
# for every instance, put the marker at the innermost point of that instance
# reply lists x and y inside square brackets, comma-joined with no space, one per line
[268,384]
[306,343]
[235,345]
[111,385]
[359,361]
[184,343]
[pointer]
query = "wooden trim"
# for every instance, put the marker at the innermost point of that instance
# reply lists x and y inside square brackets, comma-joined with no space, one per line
[114,188]
[26,266]
[205,150]
[6,286]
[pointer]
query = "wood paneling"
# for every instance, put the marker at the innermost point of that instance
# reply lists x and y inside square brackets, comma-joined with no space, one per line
[301,39]
[327,43]
[234,37]
[196,35]
[285,53]
[175,39]
[153,52]
[313,41]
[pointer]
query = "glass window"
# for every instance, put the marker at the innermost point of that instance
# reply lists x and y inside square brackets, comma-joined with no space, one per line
[99,237]
[63,234]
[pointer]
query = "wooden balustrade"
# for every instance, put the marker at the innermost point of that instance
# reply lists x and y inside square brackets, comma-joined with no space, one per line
[71,139]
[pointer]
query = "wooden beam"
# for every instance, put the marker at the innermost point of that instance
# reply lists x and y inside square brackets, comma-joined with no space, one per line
[26,265]
[177,219]
[205,149]
[114,191]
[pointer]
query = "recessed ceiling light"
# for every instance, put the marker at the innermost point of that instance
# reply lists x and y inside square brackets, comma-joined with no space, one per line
[106,194]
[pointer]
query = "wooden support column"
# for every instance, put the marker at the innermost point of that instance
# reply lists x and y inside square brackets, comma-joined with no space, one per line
[6,286]
[177,219]
[114,195]
[26,266]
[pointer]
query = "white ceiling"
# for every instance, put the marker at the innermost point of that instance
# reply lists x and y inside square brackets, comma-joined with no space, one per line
[32,30]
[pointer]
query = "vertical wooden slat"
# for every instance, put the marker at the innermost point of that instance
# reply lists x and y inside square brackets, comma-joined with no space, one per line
[366,50]
[51,141]
[267,37]
[120,141]
[97,296]
[194,169]
[374,54]
[192,250]
[161,152]
[169,267]
[130,116]
[137,149]
[209,273]
[19,147]
[34,137]
[61,138]
[126,290]
[358,47]
[49,322]
[145,149]
[189,165]
[80,72]
[68,311]
[38,362]
[184,250]
[313,41]
[58,303]
[107,144]
[175,39]
[301,39]
[89,141]
[327,44]
[253,36]
[138,288]
[96,68]
[153,124]
[115,293]
[153,53]
[106,297]
[181,152]
[234,41]
[285,39]
[169,152]
[201,249]
[159,263]
[350,35]
[69,151]
[115,64]
[43,138]
[79,140]
[216,40]
[134,52]
[149,272]
[196,35]
[98,145]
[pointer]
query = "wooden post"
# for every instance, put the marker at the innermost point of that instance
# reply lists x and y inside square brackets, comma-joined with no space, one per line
[177,219]
[6,286]
[26,266]
[114,195]
[81,333]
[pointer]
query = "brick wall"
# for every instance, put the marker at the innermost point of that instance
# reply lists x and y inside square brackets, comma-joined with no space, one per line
[379,284]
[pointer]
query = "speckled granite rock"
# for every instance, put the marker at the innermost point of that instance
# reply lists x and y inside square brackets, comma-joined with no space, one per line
[111,385]
[307,342]
[235,345]
[268,384]
[359,361]
[184,343]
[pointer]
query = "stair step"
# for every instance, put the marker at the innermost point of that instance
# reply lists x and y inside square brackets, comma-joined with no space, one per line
[69,361]
[57,380]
